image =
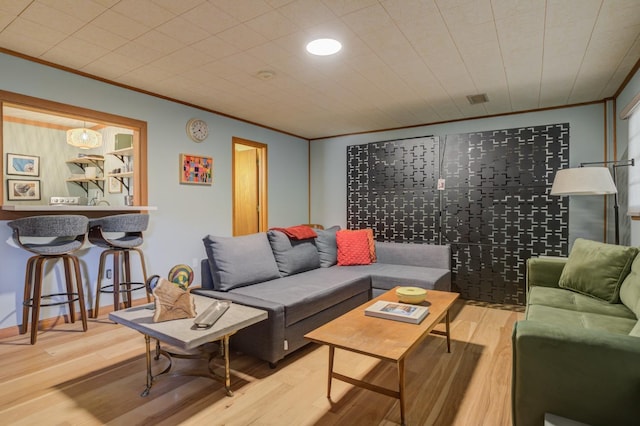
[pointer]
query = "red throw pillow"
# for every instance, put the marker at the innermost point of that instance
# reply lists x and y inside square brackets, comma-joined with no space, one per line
[372,245]
[353,247]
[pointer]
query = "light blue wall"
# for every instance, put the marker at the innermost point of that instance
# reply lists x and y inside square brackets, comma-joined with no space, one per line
[328,165]
[622,131]
[186,213]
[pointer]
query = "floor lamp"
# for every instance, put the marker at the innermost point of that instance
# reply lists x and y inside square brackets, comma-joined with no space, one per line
[592,181]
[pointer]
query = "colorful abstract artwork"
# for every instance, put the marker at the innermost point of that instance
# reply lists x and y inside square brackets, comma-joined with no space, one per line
[196,169]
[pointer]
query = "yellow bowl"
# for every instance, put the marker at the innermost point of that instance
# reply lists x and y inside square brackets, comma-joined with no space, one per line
[411,294]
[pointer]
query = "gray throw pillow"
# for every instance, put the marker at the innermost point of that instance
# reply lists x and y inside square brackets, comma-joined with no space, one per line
[293,256]
[240,261]
[327,247]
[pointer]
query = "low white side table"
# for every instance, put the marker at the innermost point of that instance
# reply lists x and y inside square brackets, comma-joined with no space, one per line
[184,335]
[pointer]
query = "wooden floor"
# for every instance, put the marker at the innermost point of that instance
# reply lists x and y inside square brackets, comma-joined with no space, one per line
[93,378]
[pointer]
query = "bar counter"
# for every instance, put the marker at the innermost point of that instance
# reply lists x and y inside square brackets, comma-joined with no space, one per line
[76,208]
[11,212]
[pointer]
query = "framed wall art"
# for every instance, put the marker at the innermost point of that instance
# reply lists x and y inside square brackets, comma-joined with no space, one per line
[23,190]
[23,165]
[196,169]
[115,186]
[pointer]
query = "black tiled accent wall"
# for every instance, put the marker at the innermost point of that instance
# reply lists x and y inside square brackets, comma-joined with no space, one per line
[495,210]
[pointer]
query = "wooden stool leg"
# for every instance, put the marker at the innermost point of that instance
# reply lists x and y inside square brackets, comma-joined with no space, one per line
[144,270]
[28,294]
[103,259]
[80,291]
[37,294]
[69,285]
[127,276]
[116,280]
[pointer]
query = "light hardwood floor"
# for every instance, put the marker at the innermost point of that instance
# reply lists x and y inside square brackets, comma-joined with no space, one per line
[92,378]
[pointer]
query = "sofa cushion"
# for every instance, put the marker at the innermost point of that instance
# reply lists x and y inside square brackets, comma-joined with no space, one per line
[240,261]
[635,331]
[560,298]
[424,255]
[307,294]
[585,320]
[327,247]
[293,256]
[630,288]
[387,276]
[597,269]
[353,247]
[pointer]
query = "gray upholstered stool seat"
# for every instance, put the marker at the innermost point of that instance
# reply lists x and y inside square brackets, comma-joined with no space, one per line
[119,235]
[51,238]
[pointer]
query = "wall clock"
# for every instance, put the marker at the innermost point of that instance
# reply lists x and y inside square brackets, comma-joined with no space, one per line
[197,129]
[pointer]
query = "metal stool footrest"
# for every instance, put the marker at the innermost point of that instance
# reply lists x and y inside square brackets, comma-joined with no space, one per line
[124,287]
[72,297]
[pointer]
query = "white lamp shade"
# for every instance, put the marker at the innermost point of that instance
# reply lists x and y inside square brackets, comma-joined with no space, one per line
[583,181]
[84,138]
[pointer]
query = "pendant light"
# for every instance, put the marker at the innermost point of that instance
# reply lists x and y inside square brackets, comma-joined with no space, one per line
[84,138]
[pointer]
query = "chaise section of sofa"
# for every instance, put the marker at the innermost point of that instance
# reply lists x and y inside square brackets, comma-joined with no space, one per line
[307,289]
[576,355]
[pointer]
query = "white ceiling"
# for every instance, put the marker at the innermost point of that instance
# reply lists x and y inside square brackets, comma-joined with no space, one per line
[404,62]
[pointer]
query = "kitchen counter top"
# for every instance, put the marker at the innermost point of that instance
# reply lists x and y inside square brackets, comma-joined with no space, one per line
[76,208]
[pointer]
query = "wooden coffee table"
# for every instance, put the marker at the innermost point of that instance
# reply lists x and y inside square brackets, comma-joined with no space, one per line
[184,336]
[356,332]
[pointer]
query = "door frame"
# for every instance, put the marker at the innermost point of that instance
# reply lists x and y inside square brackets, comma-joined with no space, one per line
[263,212]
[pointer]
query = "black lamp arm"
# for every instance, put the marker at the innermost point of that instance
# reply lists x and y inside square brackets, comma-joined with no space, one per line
[616,207]
[615,163]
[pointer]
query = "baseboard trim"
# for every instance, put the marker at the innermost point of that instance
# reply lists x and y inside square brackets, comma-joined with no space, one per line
[47,323]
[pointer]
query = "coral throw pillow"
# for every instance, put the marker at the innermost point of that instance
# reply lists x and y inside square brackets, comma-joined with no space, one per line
[372,245]
[353,247]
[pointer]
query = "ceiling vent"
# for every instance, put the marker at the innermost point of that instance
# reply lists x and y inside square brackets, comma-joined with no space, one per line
[478,99]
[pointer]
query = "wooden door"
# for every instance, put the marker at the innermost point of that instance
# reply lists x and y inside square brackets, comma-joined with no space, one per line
[249,187]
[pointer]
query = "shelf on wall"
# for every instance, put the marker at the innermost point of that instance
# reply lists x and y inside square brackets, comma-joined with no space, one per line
[84,183]
[82,162]
[121,153]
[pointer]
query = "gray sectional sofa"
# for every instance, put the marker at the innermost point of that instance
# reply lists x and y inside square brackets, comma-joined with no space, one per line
[300,286]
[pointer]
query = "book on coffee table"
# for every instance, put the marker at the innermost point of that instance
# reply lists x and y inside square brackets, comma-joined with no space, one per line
[397,311]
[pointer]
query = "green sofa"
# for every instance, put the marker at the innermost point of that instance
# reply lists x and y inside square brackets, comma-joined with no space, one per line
[577,352]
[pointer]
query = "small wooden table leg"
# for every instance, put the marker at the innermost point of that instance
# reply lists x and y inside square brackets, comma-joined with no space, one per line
[147,341]
[227,370]
[448,332]
[401,389]
[332,350]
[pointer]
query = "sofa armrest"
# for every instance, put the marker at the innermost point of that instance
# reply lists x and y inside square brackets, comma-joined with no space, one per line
[544,271]
[585,375]
[265,339]
[242,299]
[206,278]
[410,254]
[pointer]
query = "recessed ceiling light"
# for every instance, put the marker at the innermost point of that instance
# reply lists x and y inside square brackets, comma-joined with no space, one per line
[324,47]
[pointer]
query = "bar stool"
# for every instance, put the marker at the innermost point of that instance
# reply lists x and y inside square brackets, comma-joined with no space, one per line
[119,235]
[64,234]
